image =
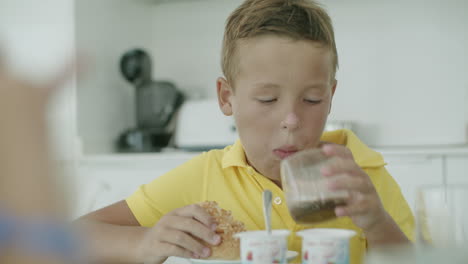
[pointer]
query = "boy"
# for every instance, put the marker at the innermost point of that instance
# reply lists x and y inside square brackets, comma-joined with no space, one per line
[279,60]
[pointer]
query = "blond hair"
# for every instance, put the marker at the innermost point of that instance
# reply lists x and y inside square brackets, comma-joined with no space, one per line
[296,19]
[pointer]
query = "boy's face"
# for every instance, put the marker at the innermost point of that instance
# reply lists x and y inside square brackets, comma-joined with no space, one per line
[281,99]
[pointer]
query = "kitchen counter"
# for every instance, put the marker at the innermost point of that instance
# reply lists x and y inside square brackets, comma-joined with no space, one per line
[176,154]
[446,150]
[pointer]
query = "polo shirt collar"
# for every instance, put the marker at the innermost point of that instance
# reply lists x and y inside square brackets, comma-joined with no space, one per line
[235,156]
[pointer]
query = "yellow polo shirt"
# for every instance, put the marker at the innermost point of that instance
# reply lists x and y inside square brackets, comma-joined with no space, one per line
[225,176]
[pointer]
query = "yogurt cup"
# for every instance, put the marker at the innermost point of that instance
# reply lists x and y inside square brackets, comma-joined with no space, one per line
[262,248]
[325,245]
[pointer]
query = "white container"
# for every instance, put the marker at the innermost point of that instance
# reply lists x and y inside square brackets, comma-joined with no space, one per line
[325,245]
[202,126]
[409,254]
[261,247]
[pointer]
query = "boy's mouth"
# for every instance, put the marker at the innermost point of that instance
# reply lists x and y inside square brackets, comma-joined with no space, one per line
[285,151]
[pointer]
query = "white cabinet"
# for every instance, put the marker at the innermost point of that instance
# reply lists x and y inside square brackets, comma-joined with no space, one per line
[103,180]
[413,167]
[457,169]
[411,171]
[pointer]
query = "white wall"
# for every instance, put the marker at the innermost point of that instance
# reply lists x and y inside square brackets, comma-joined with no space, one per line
[187,43]
[403,69]
[403,76]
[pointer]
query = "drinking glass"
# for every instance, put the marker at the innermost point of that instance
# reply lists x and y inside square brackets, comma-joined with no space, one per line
[442,216]
[441,213]
[307,196]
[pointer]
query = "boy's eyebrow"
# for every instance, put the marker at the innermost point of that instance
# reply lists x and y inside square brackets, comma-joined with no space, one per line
[267,85]
[276,86]
[316,86]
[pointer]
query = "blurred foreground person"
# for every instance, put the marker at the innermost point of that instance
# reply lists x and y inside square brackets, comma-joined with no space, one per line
[32,212]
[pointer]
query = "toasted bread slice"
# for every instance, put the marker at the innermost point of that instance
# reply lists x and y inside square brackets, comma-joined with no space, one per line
[229,248]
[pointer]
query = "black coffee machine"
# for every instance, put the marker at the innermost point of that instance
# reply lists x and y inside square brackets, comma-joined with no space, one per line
[156,105]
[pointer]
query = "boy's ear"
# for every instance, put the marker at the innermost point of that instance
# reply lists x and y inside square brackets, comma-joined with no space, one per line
[225,94]
[335,82]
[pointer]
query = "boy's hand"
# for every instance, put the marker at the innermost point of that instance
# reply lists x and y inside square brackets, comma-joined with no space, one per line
[178,233]
[363,205]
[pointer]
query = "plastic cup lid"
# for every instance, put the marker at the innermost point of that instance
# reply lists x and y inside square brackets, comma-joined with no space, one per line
[333,233]
[263,233]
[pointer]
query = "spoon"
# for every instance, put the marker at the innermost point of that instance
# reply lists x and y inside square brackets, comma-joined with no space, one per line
[267,196]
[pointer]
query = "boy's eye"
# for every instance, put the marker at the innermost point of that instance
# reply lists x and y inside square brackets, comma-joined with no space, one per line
[266,100]
[312,101]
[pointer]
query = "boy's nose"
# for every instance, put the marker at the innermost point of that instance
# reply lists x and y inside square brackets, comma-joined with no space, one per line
[290,122]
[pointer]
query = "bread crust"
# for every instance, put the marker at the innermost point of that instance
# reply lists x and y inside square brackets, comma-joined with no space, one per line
[227,226]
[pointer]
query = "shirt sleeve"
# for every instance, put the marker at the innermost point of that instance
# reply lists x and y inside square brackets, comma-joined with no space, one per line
[393,200]
[177,188]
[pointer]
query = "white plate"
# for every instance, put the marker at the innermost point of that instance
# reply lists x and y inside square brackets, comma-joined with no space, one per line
[290,255]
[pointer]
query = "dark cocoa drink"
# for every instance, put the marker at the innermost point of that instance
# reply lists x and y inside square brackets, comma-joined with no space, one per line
[309,212]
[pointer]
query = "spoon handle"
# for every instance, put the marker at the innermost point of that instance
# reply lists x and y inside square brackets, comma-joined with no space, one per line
[267,197]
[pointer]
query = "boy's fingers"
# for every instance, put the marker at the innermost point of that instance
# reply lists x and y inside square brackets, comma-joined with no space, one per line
[194,228]
[357,204]
[198,213]
[323,143]
[338,165]
[351,210]
[340,211]
[185,241]
[337,150]
[347,182]
[174,250]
